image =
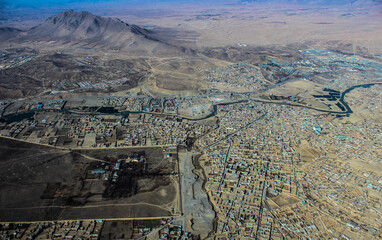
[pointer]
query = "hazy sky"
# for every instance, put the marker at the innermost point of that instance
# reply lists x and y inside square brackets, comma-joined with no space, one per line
[76,3]
[40,4]
[7,6]
[13,12]
[51,3]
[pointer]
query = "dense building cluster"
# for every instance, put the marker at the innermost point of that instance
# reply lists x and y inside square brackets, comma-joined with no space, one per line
[276,167]
[279,178]
[242,75]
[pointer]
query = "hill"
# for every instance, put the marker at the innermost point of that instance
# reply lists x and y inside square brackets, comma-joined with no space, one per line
[84,26]
[8,32]
[84,30]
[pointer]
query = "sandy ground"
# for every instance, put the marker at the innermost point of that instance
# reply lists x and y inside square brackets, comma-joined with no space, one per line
[198,213]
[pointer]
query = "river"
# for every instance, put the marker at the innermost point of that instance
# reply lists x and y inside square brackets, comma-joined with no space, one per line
[17,117]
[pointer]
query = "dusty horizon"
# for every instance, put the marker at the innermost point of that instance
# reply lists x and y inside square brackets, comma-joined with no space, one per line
[231,22]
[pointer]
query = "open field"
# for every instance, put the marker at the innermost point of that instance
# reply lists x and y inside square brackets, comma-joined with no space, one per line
[48,183]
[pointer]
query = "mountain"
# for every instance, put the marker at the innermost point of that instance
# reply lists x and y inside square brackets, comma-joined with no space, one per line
[71,26]
[83,29]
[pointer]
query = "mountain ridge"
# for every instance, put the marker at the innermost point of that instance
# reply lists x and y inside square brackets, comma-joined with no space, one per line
[83,29]
[71,25]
